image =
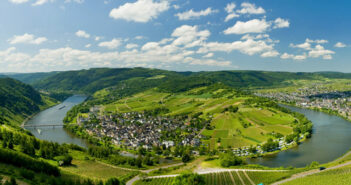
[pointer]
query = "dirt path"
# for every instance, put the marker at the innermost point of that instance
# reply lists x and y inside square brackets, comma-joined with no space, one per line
[241,180]
[231,177]
[136,178]
[311,172]
[252,183]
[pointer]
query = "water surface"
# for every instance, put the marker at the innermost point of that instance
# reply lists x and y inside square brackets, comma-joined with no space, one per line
[55,115]
[331,138]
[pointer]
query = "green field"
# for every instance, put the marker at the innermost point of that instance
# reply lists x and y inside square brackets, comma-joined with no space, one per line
[341,176]
[94,170]
[228,178]
[249,126]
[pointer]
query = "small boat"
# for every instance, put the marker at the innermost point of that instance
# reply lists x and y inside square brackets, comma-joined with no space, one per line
[62,107]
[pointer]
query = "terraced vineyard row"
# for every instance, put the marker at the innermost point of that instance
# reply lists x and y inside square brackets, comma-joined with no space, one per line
[155,181]
[229,178]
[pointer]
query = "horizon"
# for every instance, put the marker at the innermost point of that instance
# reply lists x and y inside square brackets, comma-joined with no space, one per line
[289,36]
[234,70]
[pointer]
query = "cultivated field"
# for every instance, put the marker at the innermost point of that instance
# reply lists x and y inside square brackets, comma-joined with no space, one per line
[341,176]
[228,178]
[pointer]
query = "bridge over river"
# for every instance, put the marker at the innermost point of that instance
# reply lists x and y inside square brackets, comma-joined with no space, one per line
[42,125]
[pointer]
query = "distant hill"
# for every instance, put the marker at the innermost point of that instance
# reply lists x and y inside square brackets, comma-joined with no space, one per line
[92,80]
[18,100]
[28,78]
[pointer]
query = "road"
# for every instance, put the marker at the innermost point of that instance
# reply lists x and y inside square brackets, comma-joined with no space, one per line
[136,178]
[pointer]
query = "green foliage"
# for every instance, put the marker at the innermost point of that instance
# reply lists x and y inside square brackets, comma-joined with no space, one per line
[189,179]
[229,159]
[17,98]
[21,160]
[65,160]
[113,181]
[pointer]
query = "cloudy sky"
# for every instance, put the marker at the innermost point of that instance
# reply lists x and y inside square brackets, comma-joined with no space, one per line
[181,35]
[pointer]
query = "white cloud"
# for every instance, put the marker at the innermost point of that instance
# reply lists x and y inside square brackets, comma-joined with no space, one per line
[189,36]
[340,45]
[248,46]
[41,2]
[294,57]
[18,1]
[271,53]
[248,8]
[231,16]
[208,55]
[281,23]
[230,10]
[97,38]
[27,39]
[305,46]
[207,62]
[321,41]
[313,51]
[176,7]
[131,46]
[75,1]
[88,45]
[230,7]
[139,37]
[251,26]
[83,34]
[193,15]
[113,44]
[319,51]
[140,11]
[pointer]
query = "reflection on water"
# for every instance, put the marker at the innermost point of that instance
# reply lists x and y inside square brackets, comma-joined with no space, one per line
[330,140]
[55,116]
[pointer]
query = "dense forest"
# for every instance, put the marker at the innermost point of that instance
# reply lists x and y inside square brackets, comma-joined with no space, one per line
[18,99]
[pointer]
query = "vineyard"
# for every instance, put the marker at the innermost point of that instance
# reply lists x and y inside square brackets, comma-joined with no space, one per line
[229,178]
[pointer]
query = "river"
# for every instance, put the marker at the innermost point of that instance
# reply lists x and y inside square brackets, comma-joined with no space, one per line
[330,139]
[331,136]
[55,115]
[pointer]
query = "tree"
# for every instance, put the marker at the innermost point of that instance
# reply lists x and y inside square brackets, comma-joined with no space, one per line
[65,160]
[186,158]
[10,145]
[113,181]
[189,179]
[139,161]
[229,159]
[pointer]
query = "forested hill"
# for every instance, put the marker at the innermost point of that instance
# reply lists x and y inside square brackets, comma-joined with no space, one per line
[89,81]
[18,100]
[92,80]
[28,78]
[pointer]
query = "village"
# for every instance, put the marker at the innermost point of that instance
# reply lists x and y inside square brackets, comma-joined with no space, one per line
[315,98]
[140,129]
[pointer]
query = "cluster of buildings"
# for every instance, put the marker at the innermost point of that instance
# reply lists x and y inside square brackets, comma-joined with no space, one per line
[137,129]
[316,98]
[245,151]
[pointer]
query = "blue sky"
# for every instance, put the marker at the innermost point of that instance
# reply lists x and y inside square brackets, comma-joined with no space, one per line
[181,35]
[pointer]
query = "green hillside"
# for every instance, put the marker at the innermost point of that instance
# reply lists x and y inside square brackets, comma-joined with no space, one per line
[92,80]
[29,78]
[18,100]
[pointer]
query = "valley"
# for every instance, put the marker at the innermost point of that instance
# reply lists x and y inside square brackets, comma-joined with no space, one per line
[167,127]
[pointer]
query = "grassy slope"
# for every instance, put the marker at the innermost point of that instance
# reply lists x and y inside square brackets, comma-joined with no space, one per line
[341,176]
[227,125]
